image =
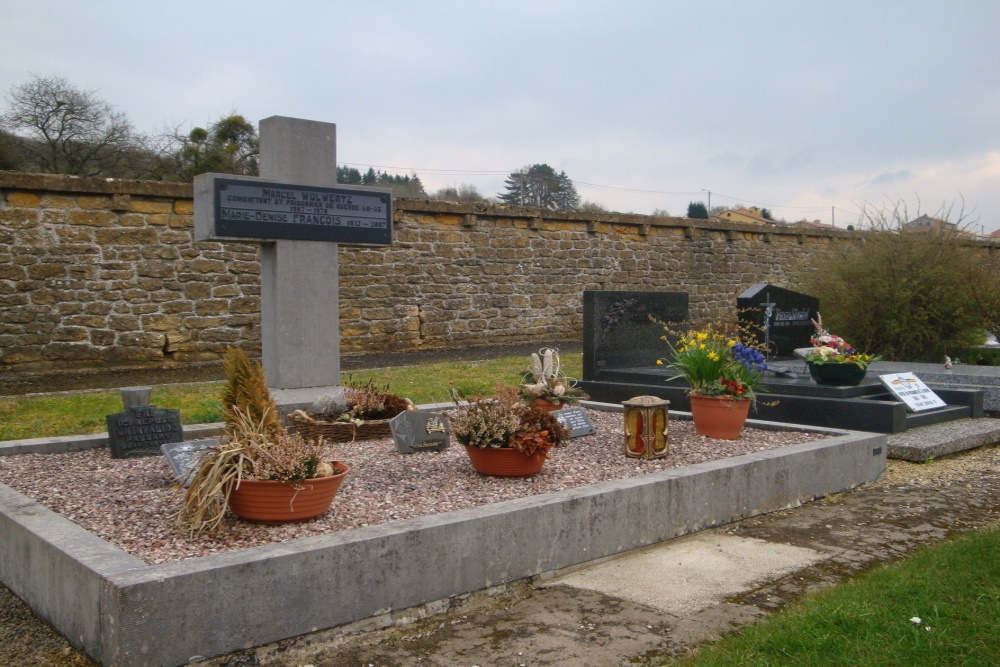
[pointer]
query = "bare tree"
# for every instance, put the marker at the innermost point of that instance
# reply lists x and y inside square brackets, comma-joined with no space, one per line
[68,130]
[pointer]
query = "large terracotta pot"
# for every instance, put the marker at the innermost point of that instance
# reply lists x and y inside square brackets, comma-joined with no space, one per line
[719,417]
[841,375]
[503,462]
[266,501]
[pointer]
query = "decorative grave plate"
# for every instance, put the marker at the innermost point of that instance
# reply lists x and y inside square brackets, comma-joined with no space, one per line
[911,390]
[139,431]
[575,421]
[420,431]
[183,456]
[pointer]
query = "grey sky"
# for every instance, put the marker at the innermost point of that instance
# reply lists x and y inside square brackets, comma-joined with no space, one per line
[796,106]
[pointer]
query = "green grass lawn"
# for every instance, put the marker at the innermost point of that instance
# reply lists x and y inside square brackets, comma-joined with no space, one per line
[84,413]
[953,589]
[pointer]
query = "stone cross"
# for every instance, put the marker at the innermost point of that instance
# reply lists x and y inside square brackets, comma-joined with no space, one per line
[298,214]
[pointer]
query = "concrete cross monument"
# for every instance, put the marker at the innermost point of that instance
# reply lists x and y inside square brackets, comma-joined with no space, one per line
[298,214]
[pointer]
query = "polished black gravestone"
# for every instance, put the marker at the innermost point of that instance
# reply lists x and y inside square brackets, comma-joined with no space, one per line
[778,318]
[575,421]
[618,331]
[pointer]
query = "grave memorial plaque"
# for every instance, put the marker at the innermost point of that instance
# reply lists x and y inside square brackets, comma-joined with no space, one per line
[183,456]
[618,332]
[248,208]
[779,317]
[139,431]
[911,390]
[575,421]
[420,431]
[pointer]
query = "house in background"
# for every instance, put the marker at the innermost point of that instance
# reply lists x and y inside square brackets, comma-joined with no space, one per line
[926,224]
[752,215]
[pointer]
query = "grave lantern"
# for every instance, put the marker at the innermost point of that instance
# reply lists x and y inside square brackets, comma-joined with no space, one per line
[647,427]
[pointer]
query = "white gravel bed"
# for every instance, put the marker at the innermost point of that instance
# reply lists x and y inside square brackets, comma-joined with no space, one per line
[131,502]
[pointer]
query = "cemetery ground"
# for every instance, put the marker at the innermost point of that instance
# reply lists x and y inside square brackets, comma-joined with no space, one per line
[549,622]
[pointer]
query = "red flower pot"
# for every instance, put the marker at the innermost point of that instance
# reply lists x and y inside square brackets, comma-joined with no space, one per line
[719,417]
[503,461]
[267,501]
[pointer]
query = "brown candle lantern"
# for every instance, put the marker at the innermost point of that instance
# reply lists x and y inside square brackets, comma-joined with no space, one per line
[647,427]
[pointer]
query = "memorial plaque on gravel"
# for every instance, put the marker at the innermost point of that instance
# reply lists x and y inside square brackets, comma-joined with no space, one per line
[779,317]
[420,431]
[618,332]
[140,431]
[183,456]
[575,421]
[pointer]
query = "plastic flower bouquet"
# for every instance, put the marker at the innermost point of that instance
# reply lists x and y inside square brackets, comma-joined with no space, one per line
[831,349]
[716,365]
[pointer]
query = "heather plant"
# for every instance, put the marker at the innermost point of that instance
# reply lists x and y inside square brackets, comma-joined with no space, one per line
[910,294]
[504,421]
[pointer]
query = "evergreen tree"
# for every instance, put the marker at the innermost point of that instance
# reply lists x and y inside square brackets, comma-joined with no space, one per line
[539,185]
[697,210]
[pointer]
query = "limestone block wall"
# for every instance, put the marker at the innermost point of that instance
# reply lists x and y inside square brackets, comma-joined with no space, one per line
[98,272]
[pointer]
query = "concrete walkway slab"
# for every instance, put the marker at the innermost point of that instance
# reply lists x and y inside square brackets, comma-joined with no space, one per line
[689,574]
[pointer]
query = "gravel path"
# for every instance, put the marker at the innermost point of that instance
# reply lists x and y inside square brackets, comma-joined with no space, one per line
[130,502]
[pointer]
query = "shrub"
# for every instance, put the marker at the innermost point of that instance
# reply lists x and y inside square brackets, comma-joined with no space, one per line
[905,295]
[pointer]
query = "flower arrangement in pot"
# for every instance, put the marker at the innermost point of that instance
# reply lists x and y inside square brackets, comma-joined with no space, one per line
[356,411]
[724,375]
[832,360]
[259,470]
[545,386]
[503,436]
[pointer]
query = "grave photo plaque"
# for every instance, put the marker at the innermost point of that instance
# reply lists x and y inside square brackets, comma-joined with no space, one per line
[778,317]
[140,431]
[420,431]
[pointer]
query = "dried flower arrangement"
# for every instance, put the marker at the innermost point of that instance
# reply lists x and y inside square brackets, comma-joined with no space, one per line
[254,446]
[503,421]
[546,380]
[354,411]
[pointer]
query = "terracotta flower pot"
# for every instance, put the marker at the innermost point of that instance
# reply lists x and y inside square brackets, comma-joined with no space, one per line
[546,404]
[503,462]
[267,501]
[719,417]
[840,375]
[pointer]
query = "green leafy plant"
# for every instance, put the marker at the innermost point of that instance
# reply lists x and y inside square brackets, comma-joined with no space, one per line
[714,363]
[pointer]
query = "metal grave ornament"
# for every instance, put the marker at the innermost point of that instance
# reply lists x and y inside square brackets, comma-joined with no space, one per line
[141,429]
[420,431]
[647,427]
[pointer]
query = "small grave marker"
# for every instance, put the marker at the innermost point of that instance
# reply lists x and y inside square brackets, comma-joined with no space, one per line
[183,456]
[142,428]
[420,431]
[912,391]
[575,421]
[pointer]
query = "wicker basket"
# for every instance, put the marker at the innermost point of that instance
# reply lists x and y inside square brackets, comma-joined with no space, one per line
[313,429]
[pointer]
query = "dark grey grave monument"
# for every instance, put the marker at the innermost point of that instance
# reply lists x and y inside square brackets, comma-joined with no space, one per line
[183,456]
[778,317]
[420,431]
[575,421]
[142,428]
[618,332]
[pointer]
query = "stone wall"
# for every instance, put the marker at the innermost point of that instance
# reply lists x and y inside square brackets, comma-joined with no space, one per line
[100,272]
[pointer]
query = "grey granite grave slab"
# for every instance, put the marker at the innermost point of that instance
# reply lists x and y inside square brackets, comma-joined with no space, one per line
[929,442]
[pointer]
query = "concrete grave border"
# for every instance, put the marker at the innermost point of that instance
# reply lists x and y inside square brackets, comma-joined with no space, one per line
[121,611]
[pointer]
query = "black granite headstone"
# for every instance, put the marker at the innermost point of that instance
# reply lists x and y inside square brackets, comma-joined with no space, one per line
[140,431]
[778,317]
[420,431]
[183,456]
[618,332]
